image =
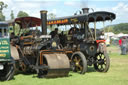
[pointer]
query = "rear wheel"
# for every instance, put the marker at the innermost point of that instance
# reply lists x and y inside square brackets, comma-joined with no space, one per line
[79,63]
[7,73]
[102,62]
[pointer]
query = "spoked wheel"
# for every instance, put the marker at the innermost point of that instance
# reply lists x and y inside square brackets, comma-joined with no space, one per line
[7,73]
[79,63]
[102,62]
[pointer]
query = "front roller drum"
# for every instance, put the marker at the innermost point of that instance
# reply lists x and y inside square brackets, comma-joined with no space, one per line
[58,65]
[7,73]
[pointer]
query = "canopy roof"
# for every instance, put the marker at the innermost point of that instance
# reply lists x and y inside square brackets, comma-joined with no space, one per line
[3,24]
[26,22]
[88,17]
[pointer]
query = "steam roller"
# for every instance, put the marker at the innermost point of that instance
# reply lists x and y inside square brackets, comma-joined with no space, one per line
[39,52]
[57,65]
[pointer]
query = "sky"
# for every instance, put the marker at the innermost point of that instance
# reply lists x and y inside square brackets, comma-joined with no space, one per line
[68,7]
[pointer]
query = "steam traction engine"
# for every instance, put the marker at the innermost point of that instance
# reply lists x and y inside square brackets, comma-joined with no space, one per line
[86,47]
[38,52]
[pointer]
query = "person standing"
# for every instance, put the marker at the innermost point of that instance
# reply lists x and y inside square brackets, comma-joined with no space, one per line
[124,41]
[127,45]
[120,44]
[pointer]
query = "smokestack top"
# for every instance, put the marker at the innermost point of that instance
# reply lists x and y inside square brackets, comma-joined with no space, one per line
[85,10]
[43,11]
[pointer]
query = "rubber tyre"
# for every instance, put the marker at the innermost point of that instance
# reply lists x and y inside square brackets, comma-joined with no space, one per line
[7,72]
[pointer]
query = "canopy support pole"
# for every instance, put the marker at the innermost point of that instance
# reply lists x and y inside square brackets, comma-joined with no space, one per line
[86,29]
[95,29]
[104,29]
[14,28]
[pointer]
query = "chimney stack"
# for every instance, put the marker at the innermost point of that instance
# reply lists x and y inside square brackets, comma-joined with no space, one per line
[85,10]
[43,14]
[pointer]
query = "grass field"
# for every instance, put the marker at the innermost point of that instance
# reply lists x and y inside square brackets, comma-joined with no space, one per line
[117,75]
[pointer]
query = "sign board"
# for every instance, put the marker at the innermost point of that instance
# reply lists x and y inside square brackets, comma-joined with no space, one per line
[4,48]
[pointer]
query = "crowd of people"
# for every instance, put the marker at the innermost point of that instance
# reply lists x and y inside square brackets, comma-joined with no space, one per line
[123,43]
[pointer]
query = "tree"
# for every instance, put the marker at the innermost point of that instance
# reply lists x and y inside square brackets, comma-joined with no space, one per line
[118,28]
[2,6]
[51,16]
[2,17]
[12,14]
[22,14]
[121,28]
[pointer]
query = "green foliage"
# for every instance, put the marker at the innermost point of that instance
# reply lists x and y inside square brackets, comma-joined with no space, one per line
[117,75]
[14,29]
[2,17]
[22,14]
[123,27]
[17,29]
[2,6]
[109,29]
[12,14]
[118,28]
[51,16]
